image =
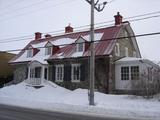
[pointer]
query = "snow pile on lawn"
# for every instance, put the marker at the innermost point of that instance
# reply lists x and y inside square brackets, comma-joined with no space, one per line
[54,97]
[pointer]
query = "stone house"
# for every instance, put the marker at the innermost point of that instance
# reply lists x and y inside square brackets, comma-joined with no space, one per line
[64,59]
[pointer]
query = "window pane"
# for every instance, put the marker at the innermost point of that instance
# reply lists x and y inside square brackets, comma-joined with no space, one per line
[59,73]
[48,50]
[76,72]
[134,72]
[80,47]
[38,72]
[125,73]
[29,53]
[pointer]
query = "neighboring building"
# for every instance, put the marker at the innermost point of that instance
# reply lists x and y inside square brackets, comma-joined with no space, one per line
[132,74]
[6,70]
[64,59]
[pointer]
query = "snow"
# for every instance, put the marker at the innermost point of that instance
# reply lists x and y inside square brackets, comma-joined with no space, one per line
[77,54]
[55,98]
[63,42]
[97,37]
[40,57]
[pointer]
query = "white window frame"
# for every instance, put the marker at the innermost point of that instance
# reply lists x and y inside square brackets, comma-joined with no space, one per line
[117,50]
[79,48]
[126,51]
[48,50]
[29,52]
[124,73]
[59,77]
[73,76]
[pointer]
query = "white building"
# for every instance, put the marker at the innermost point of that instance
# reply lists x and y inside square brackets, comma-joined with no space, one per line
[129,71]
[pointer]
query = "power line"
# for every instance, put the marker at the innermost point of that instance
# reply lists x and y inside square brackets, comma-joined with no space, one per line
[12,4]
[111,21]
[38,10]
[24,7]
[97,41]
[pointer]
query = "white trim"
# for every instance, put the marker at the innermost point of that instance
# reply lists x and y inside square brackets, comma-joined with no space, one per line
[48,50]
[56,73]
[72,73]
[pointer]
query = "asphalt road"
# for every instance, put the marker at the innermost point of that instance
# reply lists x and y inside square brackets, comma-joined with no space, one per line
[18,113]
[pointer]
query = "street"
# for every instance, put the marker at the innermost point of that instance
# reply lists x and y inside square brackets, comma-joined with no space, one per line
[18,113]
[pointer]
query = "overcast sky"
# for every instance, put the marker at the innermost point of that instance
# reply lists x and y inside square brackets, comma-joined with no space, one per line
[25,17]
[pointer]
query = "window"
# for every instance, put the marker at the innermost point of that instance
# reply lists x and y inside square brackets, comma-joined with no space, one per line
[48,50]
[75,72]
[134,72]
[46,73]
[134,54]
[29,52]
[31,72]
[35,72]
[126,51]
[59,73]
[117,51]
[125,73]
[80,47]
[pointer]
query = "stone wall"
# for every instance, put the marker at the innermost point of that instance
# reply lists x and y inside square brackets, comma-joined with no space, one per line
[20,73]
[101,73]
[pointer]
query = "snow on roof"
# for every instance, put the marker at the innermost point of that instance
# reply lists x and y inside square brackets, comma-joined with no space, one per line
[134,59]
[40,57]
[67,50]
[63,41]
[42,44]
[129,59]
[97,37]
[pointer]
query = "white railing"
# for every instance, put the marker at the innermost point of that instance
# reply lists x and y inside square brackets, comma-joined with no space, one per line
[34,81]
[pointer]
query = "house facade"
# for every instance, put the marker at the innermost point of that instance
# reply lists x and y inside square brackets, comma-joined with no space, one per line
[64,59]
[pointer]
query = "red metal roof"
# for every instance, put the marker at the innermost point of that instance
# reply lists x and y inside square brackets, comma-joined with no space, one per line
[102,47]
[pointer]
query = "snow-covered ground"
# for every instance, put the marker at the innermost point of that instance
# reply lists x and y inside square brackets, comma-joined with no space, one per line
[55,98]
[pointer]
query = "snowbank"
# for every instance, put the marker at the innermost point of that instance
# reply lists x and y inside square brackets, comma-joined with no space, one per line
[55,98]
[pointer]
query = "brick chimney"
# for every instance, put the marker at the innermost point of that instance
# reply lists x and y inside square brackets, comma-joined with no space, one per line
[38,35]
[68,29]
[48,36]
[118,19]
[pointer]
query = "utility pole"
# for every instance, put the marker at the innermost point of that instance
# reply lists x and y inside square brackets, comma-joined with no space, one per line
[99,8]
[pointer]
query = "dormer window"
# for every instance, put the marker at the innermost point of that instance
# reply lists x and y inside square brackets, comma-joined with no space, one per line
[80,47]
[29,52]
[48,50]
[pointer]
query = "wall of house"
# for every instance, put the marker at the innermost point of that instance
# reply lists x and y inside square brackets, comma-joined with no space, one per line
[125,42]
[128,86]
[20,74]
[101,73]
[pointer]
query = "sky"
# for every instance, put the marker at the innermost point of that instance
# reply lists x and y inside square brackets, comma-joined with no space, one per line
[25,17]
